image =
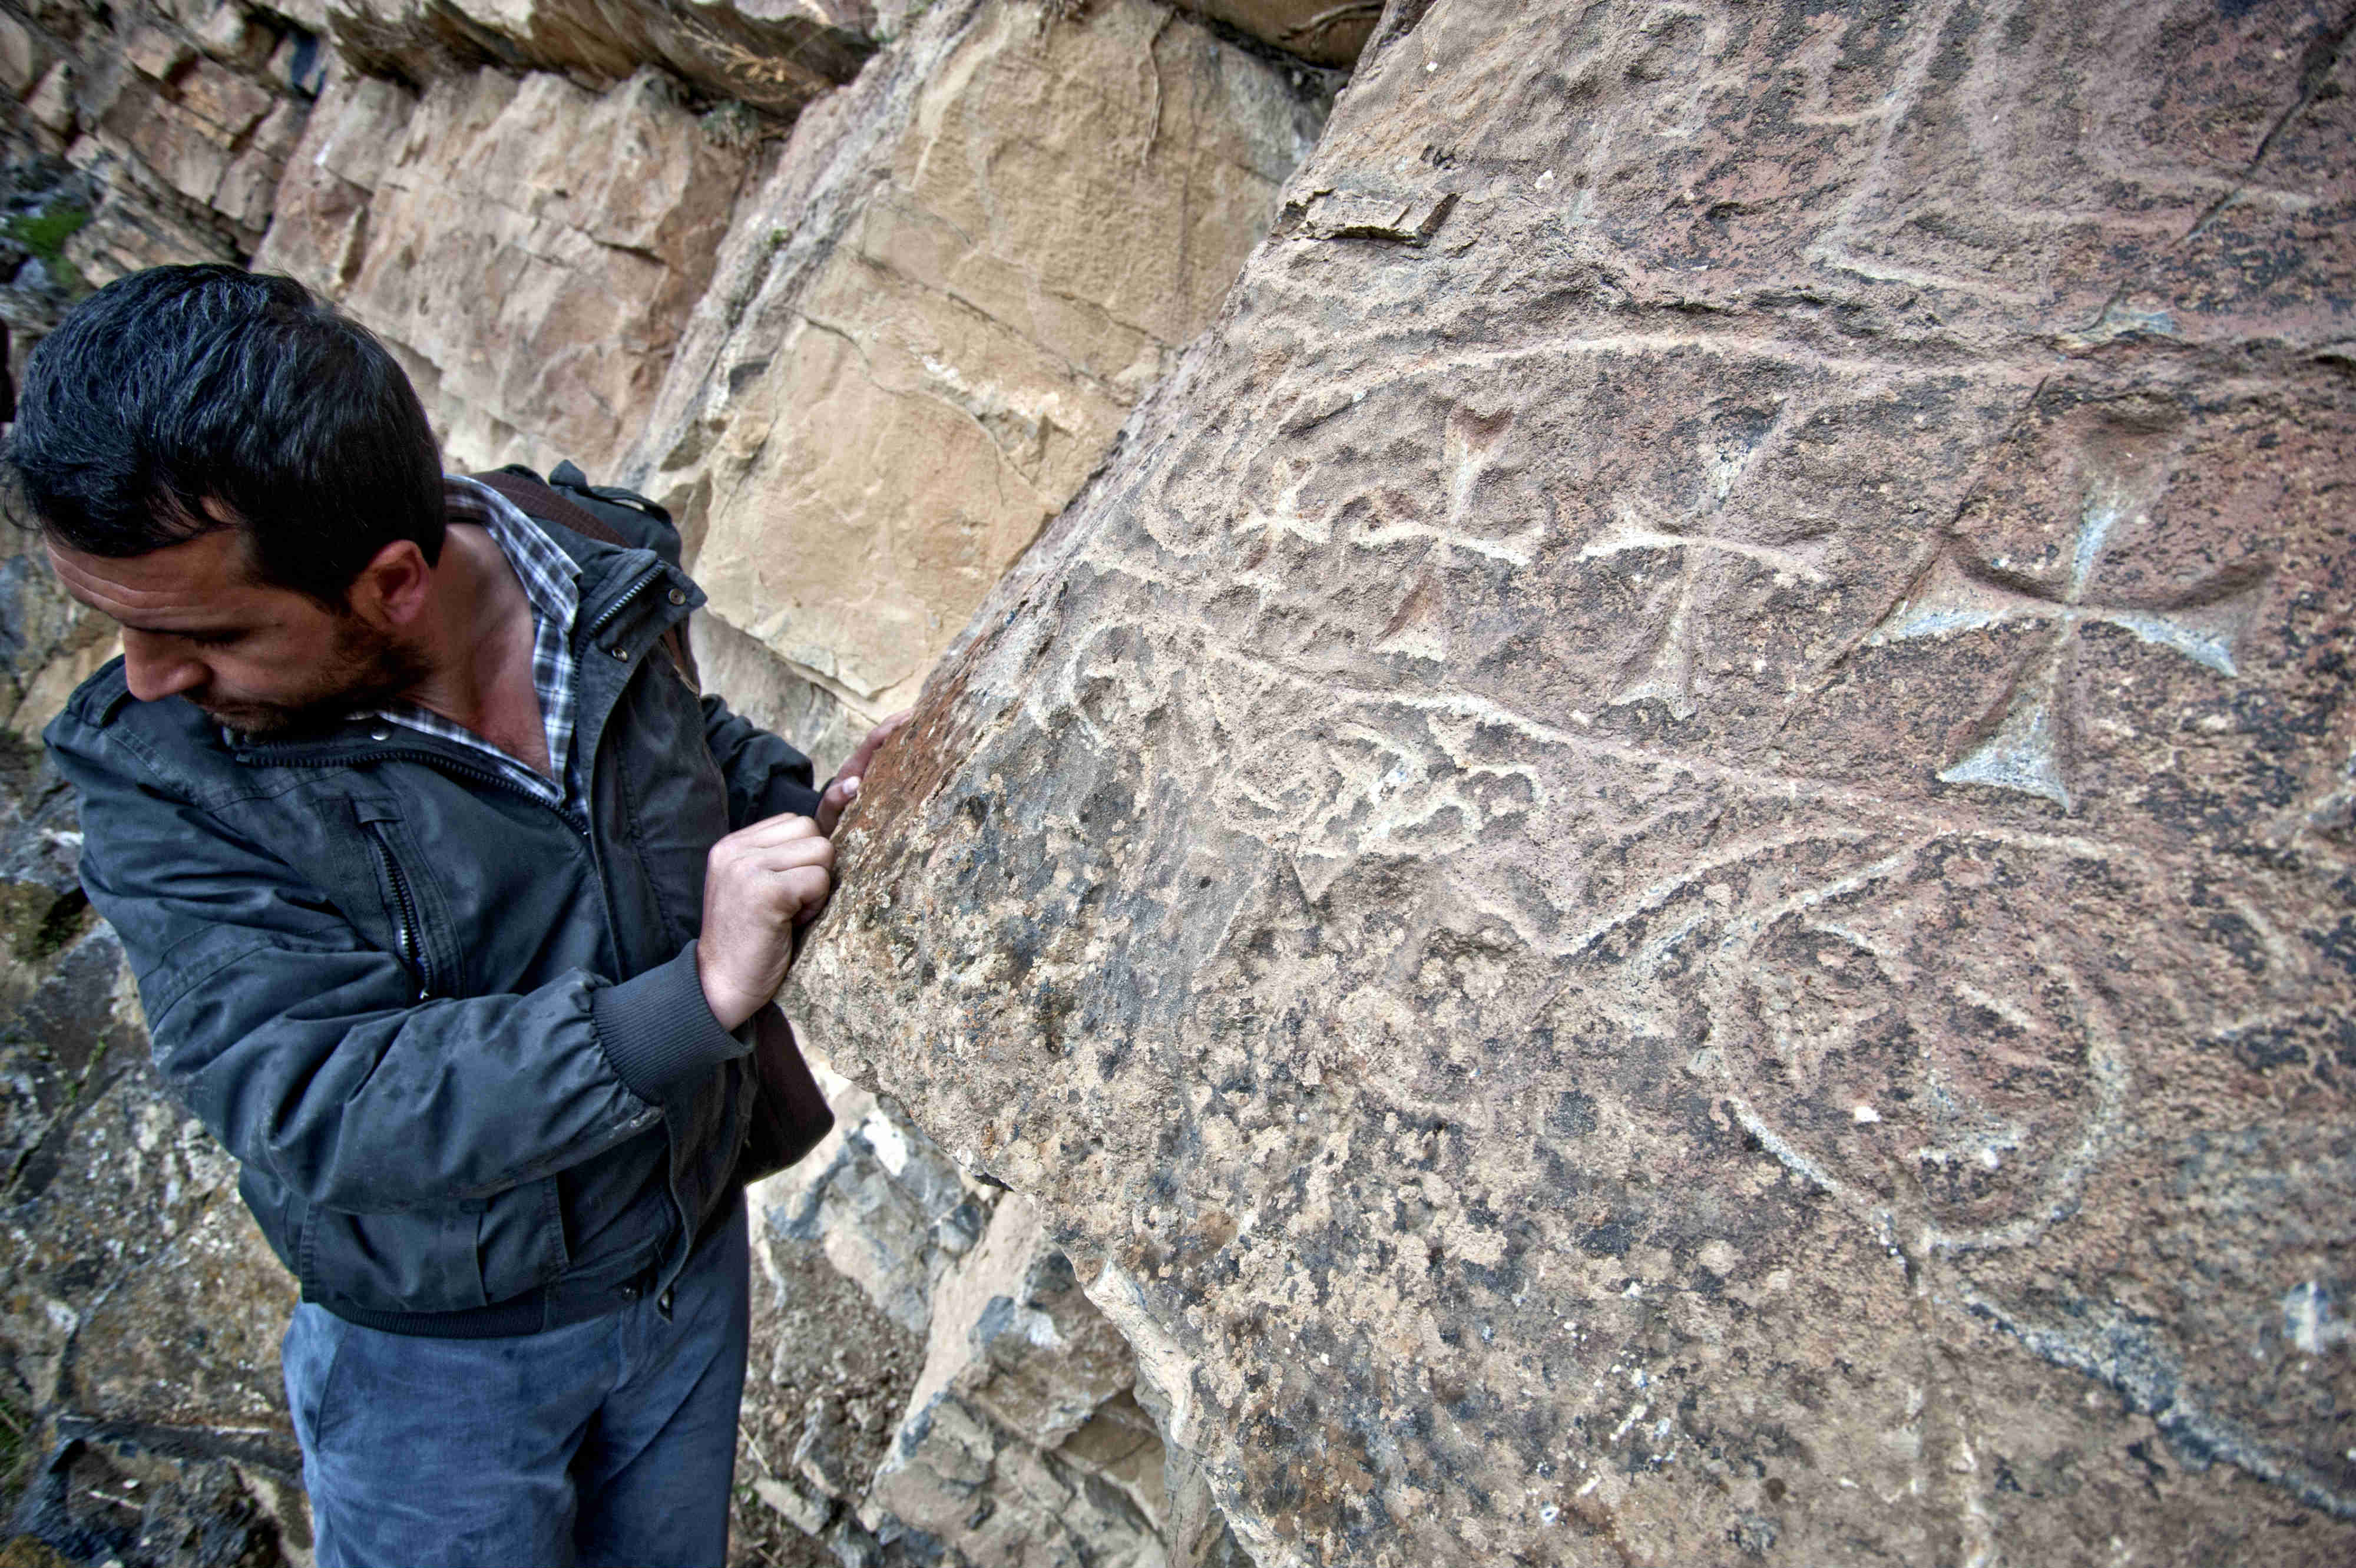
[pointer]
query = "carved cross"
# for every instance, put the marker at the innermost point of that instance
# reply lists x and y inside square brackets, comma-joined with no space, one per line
[1667,674]
[2029,750]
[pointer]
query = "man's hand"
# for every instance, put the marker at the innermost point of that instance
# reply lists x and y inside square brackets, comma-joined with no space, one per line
[845,787]
[759,883]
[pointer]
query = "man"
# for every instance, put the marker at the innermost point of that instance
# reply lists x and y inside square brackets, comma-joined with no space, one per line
[450,902]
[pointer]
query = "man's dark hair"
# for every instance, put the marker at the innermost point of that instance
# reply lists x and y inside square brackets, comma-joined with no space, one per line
[177,385]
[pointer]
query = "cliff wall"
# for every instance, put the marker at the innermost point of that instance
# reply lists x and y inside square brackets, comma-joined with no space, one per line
[1646,862]
[863,295]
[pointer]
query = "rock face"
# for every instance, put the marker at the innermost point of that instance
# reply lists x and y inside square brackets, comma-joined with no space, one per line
[528,205]
[181,113]
[931,319]
[1663,873]
[774,56]
[532,248]
[929,1384]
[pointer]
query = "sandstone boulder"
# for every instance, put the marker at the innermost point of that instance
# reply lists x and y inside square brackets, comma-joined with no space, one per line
[927,326]
[1661,874]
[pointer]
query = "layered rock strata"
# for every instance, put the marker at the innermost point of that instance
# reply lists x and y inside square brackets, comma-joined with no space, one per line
[930,320]
[772,56]
[530,248]
[1662,873]
[182,114]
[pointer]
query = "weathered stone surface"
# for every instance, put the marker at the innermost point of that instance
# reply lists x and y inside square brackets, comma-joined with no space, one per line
[927,326]
[939,1389]
[1020,1443]
[173,114]
[766,690]
[1013,1335]
[776,55]
[1662,874]
[1321,31]
[891,1212]
[530,248]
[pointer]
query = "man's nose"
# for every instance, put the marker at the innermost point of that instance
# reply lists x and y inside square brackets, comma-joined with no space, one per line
[155,667]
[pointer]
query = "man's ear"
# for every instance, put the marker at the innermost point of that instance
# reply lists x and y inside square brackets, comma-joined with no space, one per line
[394,589]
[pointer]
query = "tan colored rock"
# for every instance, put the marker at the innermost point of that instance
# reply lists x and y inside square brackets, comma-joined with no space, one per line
[236,37]
[50,104]
[22,55]
[156,52]
[1012,1336]
[767,691]
[530,248]
[249,187]
[318,230]
[182,150]
[1660,874]
[775,55]
[143,221]
[932,320]
[228,103]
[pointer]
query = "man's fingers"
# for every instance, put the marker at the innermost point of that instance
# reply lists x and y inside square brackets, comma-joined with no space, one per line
[810,887]
[867,750]
[790,855]
[774,829]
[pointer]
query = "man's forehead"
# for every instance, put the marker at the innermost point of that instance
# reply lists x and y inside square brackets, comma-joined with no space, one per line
[205,578]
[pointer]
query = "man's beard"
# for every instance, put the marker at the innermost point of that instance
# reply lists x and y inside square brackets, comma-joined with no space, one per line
[363,670]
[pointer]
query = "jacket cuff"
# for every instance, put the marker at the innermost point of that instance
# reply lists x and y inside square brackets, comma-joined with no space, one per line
[797,799]
[658,1031]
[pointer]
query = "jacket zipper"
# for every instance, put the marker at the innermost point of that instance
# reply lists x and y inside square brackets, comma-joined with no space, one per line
[500,782]
[431,760]
[630,596]
[412,933]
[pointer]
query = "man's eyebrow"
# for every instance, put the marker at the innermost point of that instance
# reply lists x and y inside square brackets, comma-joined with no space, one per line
[154,628]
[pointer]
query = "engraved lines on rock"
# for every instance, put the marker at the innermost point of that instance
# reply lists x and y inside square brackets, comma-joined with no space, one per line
[1711,550]
[1971,1132]
[2027,746]
[1470,447]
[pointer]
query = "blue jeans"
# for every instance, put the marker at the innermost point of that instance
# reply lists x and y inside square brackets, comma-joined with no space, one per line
[610,1442]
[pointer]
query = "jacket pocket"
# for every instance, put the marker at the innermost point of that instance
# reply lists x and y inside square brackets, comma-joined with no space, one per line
[418,1261]
[519,1240]
[410,906]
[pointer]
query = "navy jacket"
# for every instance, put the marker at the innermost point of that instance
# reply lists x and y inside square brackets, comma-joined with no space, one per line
[452,1035]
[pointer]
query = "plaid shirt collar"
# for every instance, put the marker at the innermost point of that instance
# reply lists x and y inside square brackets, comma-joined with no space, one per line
[551,582]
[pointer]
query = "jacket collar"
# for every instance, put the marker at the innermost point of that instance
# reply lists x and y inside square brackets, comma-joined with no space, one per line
[628,599]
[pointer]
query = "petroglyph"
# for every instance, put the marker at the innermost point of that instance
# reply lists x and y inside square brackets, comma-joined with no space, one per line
[2026,748]
[1916,1014]
[1522,960]
[1705,541]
